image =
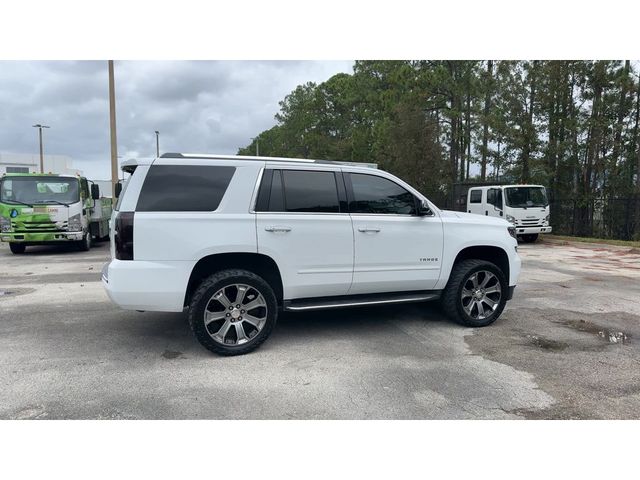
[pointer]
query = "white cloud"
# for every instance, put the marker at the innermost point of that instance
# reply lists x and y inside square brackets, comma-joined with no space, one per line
[201,106]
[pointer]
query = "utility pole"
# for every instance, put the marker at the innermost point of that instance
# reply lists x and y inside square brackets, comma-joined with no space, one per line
[157,143]
[40,127]
[112,128]
[257,139]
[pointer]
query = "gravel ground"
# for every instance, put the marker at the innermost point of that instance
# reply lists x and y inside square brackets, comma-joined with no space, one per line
[565,347]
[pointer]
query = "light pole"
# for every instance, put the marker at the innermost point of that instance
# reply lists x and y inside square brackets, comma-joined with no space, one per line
[157,143]
[257,139]
[112,128]
[40,127]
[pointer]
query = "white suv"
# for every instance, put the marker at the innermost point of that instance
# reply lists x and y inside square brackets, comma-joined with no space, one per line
[237,239]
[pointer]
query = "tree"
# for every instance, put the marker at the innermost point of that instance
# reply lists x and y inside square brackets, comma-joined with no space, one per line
[570,125]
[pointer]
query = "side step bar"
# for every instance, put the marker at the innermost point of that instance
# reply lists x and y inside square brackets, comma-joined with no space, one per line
[321,303]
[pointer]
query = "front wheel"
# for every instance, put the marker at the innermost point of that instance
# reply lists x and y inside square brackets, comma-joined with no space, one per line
[17,248]
[476,293]
[85,244]
[530,237]
[232,312]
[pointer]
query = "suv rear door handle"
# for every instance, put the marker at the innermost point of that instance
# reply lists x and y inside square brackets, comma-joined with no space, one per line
[276,228]
[368,229]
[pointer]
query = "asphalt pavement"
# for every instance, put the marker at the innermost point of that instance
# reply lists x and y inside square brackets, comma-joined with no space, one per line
[566,346]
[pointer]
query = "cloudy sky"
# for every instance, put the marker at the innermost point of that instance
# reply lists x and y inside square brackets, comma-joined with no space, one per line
[203,106]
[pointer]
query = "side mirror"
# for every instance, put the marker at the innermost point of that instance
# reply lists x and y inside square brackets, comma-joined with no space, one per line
[423,209]
[118,189]
[95,191]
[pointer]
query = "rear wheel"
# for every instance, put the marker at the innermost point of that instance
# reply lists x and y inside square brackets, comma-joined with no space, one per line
[232,312]
[476,293]
[17,248]
[530,237]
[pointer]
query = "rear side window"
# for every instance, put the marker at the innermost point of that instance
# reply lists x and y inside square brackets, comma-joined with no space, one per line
[184,188]
[476,196]
[276,198]
[310,191]
[373,194]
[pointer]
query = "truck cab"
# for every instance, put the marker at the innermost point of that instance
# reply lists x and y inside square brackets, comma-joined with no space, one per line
[49,209]
[524,206]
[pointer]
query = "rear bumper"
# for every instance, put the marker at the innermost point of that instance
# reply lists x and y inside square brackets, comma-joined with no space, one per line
[41,238]
[532,230]
[145,285]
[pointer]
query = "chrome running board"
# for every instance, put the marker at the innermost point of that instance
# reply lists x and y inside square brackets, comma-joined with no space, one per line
[358,300]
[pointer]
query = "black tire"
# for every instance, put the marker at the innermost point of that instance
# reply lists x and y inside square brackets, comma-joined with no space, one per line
[17,248]
[203,296]
[530,237]
[452,301]
[84,245]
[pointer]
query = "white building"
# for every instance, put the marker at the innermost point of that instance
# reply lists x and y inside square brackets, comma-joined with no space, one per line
[28,163]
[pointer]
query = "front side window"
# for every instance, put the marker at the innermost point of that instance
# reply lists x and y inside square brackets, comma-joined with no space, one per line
[34,190]
[309,191]
[494,197]
[184,188]
[374,194]
[84,188]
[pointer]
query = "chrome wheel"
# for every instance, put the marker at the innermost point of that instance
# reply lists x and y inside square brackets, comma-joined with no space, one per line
[481,294]
[235,314]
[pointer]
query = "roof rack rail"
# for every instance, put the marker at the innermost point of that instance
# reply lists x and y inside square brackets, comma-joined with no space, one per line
[265,159]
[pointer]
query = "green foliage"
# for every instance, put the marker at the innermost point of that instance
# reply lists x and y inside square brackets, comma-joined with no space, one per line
[571,125]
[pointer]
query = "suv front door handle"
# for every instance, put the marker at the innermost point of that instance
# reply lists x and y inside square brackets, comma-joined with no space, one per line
[369,229]
[277,228]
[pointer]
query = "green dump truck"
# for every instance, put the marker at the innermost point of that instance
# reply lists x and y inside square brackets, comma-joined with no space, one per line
[48,209]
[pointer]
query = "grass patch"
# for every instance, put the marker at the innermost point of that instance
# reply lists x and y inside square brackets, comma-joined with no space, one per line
[607,241]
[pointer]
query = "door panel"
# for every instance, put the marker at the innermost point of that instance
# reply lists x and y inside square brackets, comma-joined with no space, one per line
[302,225]
[395,249]
[313,251]
[396,253]
[476,203]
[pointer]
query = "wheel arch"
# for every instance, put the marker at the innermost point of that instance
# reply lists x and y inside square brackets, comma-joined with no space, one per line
[490,253]
[257,263]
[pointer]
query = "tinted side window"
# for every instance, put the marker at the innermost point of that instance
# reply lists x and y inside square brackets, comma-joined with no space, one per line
[309,191]
[498,198]
[84,186]
[184,188]
[373,194]
[494,197]
[491,196]
[476,196]
[276,199]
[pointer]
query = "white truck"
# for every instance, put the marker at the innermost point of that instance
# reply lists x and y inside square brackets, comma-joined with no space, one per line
[237,239]
[524,206]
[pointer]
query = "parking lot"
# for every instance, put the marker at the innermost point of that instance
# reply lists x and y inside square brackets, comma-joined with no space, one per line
[565,347]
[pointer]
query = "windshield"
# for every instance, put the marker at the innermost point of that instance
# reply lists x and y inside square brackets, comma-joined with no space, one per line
[39,190]
[523,197]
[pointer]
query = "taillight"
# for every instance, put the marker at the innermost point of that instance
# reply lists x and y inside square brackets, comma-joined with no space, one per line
[123,235]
